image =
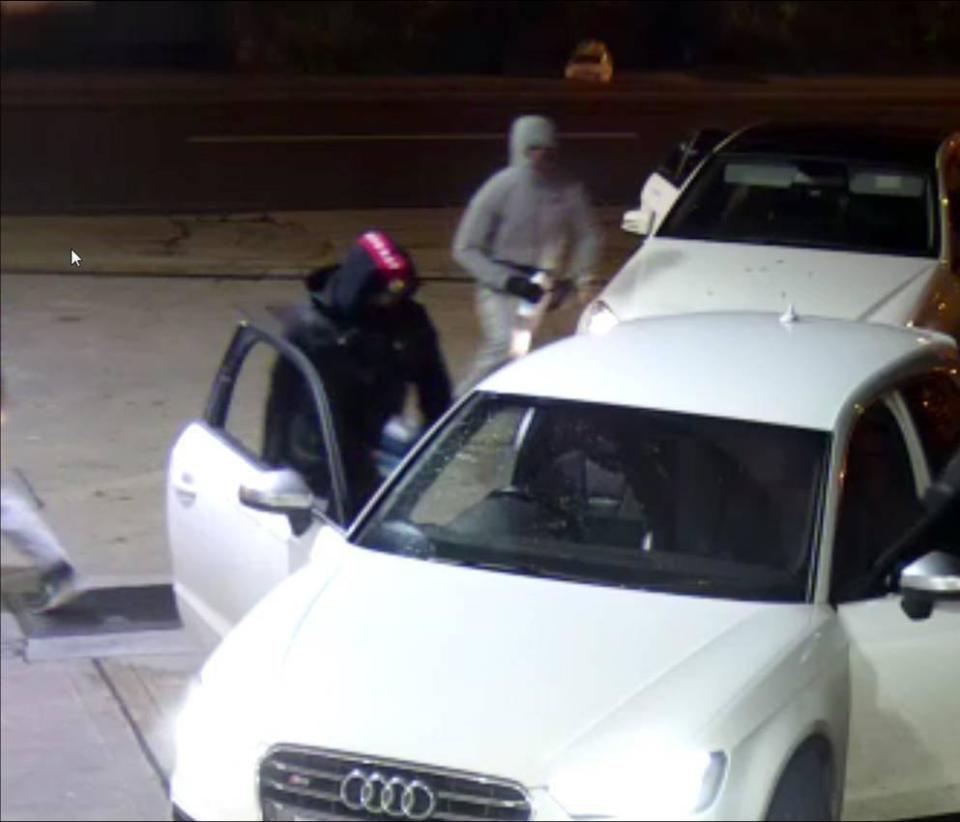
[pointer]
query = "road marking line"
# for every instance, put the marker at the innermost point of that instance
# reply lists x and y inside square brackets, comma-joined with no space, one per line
[391,138]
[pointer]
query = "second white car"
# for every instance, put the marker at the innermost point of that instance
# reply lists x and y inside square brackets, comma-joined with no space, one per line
[851,223]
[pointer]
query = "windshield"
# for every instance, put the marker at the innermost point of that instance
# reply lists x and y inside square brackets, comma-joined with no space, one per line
[609,495]
[829,204]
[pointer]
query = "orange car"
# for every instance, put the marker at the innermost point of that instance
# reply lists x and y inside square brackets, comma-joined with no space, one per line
[591,61]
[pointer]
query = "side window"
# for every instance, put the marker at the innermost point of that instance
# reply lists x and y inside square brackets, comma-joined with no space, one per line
[879,501]
[248,404]
[934,404]
[272,416]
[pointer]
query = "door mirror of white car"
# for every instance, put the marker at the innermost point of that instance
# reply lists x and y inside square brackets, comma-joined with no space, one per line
[282,491]
[639,221]
[932,578]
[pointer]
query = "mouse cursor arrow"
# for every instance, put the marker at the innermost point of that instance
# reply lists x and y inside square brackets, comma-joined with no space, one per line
[74,258]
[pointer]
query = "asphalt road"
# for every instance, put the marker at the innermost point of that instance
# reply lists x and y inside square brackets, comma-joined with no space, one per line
[189,144]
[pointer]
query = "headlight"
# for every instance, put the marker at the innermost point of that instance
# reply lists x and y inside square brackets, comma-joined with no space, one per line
[598,318]
[659,783]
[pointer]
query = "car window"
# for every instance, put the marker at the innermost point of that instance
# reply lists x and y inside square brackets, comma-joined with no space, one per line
[280,429]
[934,404]
[878,504]
[830,204]
[613,496]
[247,410]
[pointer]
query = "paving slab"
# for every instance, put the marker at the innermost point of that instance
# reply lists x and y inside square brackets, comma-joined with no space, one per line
[67,750]
[153,689]
[103,621]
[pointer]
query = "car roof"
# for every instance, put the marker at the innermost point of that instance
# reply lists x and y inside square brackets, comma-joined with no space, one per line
[909,145]
[738,365]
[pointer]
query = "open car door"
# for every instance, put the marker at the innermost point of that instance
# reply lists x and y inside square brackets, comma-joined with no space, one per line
[662,187]
[903,758]
[230,537]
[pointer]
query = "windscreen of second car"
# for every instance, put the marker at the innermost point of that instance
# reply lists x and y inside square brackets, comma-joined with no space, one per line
[611,495]
[588,53]
[809,203]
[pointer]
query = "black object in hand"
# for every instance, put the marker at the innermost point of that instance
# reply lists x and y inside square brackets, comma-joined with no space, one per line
[523,288]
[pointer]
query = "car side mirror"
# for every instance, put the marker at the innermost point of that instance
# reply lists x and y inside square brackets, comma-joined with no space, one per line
[282,491]
[932,578]
[639,221]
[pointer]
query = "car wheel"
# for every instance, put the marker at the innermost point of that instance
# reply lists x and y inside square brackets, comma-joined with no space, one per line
[803,791]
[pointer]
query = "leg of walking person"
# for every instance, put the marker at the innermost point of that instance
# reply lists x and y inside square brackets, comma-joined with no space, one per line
[31,536]
[497,313]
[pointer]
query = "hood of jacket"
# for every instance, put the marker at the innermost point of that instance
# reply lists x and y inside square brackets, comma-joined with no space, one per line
[527,132]
[373,265]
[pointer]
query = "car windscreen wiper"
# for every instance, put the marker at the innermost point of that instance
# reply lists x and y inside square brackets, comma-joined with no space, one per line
[525,569]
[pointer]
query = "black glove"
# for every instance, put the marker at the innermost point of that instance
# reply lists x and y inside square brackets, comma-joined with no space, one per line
[524,289]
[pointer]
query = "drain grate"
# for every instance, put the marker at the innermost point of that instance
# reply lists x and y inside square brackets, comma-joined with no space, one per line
[103,622]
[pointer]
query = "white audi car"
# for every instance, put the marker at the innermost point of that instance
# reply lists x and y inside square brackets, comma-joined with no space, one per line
[852,223]
[693,583]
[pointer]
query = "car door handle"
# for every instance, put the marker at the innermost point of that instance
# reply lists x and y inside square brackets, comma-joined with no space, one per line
[184,490]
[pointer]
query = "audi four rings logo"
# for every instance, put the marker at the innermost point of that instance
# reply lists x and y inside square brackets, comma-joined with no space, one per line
[396,797]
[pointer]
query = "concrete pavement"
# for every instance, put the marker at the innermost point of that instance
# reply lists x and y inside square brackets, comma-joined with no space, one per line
[67,750]
[262,244]
[86,739]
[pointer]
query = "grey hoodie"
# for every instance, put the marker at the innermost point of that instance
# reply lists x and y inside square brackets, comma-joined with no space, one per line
[521,217]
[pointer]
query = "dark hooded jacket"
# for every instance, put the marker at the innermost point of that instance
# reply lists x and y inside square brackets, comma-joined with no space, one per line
[366,358]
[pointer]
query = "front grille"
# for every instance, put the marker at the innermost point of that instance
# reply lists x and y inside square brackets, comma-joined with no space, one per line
[306,784]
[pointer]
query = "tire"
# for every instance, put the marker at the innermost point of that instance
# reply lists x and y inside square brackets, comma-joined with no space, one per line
[803,792]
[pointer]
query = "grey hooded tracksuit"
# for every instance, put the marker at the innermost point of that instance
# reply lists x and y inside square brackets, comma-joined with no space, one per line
[521,218]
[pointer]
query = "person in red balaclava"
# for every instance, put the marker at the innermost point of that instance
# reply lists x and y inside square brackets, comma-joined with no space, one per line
[369,341]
